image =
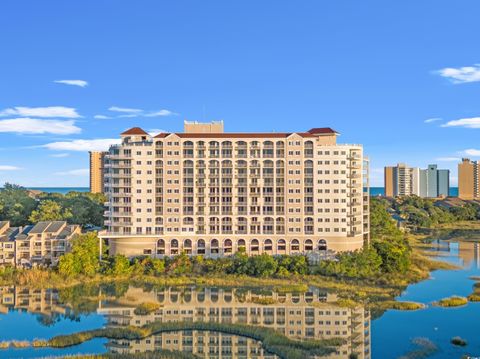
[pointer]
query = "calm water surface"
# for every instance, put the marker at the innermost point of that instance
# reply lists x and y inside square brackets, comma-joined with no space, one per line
[28,314]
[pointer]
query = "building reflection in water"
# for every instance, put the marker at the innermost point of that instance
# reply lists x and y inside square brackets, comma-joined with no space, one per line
[310,315]
[467,251]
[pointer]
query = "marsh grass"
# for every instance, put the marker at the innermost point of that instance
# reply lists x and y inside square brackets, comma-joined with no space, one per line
[273,341]
[451,302]
[146,308]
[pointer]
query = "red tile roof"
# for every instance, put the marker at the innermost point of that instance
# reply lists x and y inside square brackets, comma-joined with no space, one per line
[134,131]
[321,131]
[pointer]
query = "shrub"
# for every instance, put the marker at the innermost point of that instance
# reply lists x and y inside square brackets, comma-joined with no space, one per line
[454,301]
[457,341]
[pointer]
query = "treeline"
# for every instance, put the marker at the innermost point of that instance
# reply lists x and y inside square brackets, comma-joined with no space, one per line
[20,207]
[425,213]
[84,260]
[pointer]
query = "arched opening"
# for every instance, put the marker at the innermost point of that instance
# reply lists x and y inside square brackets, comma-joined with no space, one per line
[227,246]
[295,245]
[241,244]
[161,246]
[254,246]
[308,245]
[268,245]
[214,249]
[187,246]
[281,246]
[173,247]
[322,245]
[201,246]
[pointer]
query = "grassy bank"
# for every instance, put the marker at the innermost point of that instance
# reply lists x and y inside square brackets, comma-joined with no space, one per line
[271,340]
[450,302]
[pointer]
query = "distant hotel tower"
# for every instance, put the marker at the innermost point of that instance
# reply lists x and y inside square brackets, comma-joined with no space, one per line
[403,180]
[211,193]
[469,179]
[96,171]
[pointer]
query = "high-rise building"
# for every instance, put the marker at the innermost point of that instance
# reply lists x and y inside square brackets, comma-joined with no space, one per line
[96,171]
[468,179]
[403,180]
[212,193]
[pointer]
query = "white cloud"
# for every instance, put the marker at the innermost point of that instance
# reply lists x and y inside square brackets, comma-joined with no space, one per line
[155,131]
[430,120]
[462,74]
[447,159]
[102,117]
[82,145]
[80,83]
[60,155]
[472,152]
[39,126]
[51,111]
[160,113]
[9,168]
[473,122]
[124,109]
[78,172]
[136,112]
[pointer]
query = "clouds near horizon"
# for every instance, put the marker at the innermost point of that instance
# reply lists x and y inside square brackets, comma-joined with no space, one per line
[461,74]
[79,83]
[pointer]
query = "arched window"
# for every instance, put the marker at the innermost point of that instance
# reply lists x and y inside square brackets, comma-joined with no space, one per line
[201,246]
[214,246]
[268,245]
[241,244]
[187,246]
[322,245]
[254,246]
[295,245]
[281,245]
[227,246]
[173,247]
[308,245]
[160,246]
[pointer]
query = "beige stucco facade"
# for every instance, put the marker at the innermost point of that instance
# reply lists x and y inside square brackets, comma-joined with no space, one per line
[39,244]
[213,193]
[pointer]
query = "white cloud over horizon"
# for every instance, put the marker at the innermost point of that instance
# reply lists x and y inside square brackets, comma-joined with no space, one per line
[60,155]
[430,120]
[125,112]
[473,122]
[79,83]
[76,172]
[472,152]
[155,131]
[9,168]
[44,112]
[37,126]
[461,74]
[102,144]
[124,109]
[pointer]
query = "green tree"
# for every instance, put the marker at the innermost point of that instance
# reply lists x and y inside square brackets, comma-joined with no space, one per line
[83,258]
[263,265]
[120,266]
[16,204]
[49,211]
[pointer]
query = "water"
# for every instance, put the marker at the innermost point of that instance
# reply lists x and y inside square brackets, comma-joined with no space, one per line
[380,191]
[29,314]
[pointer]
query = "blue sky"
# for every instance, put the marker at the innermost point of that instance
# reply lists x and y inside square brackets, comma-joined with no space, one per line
[74,74]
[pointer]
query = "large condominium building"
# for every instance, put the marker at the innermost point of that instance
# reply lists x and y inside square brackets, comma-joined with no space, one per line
[469,179]
[96,171]
[39,244]
[208,192]
[402,180]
